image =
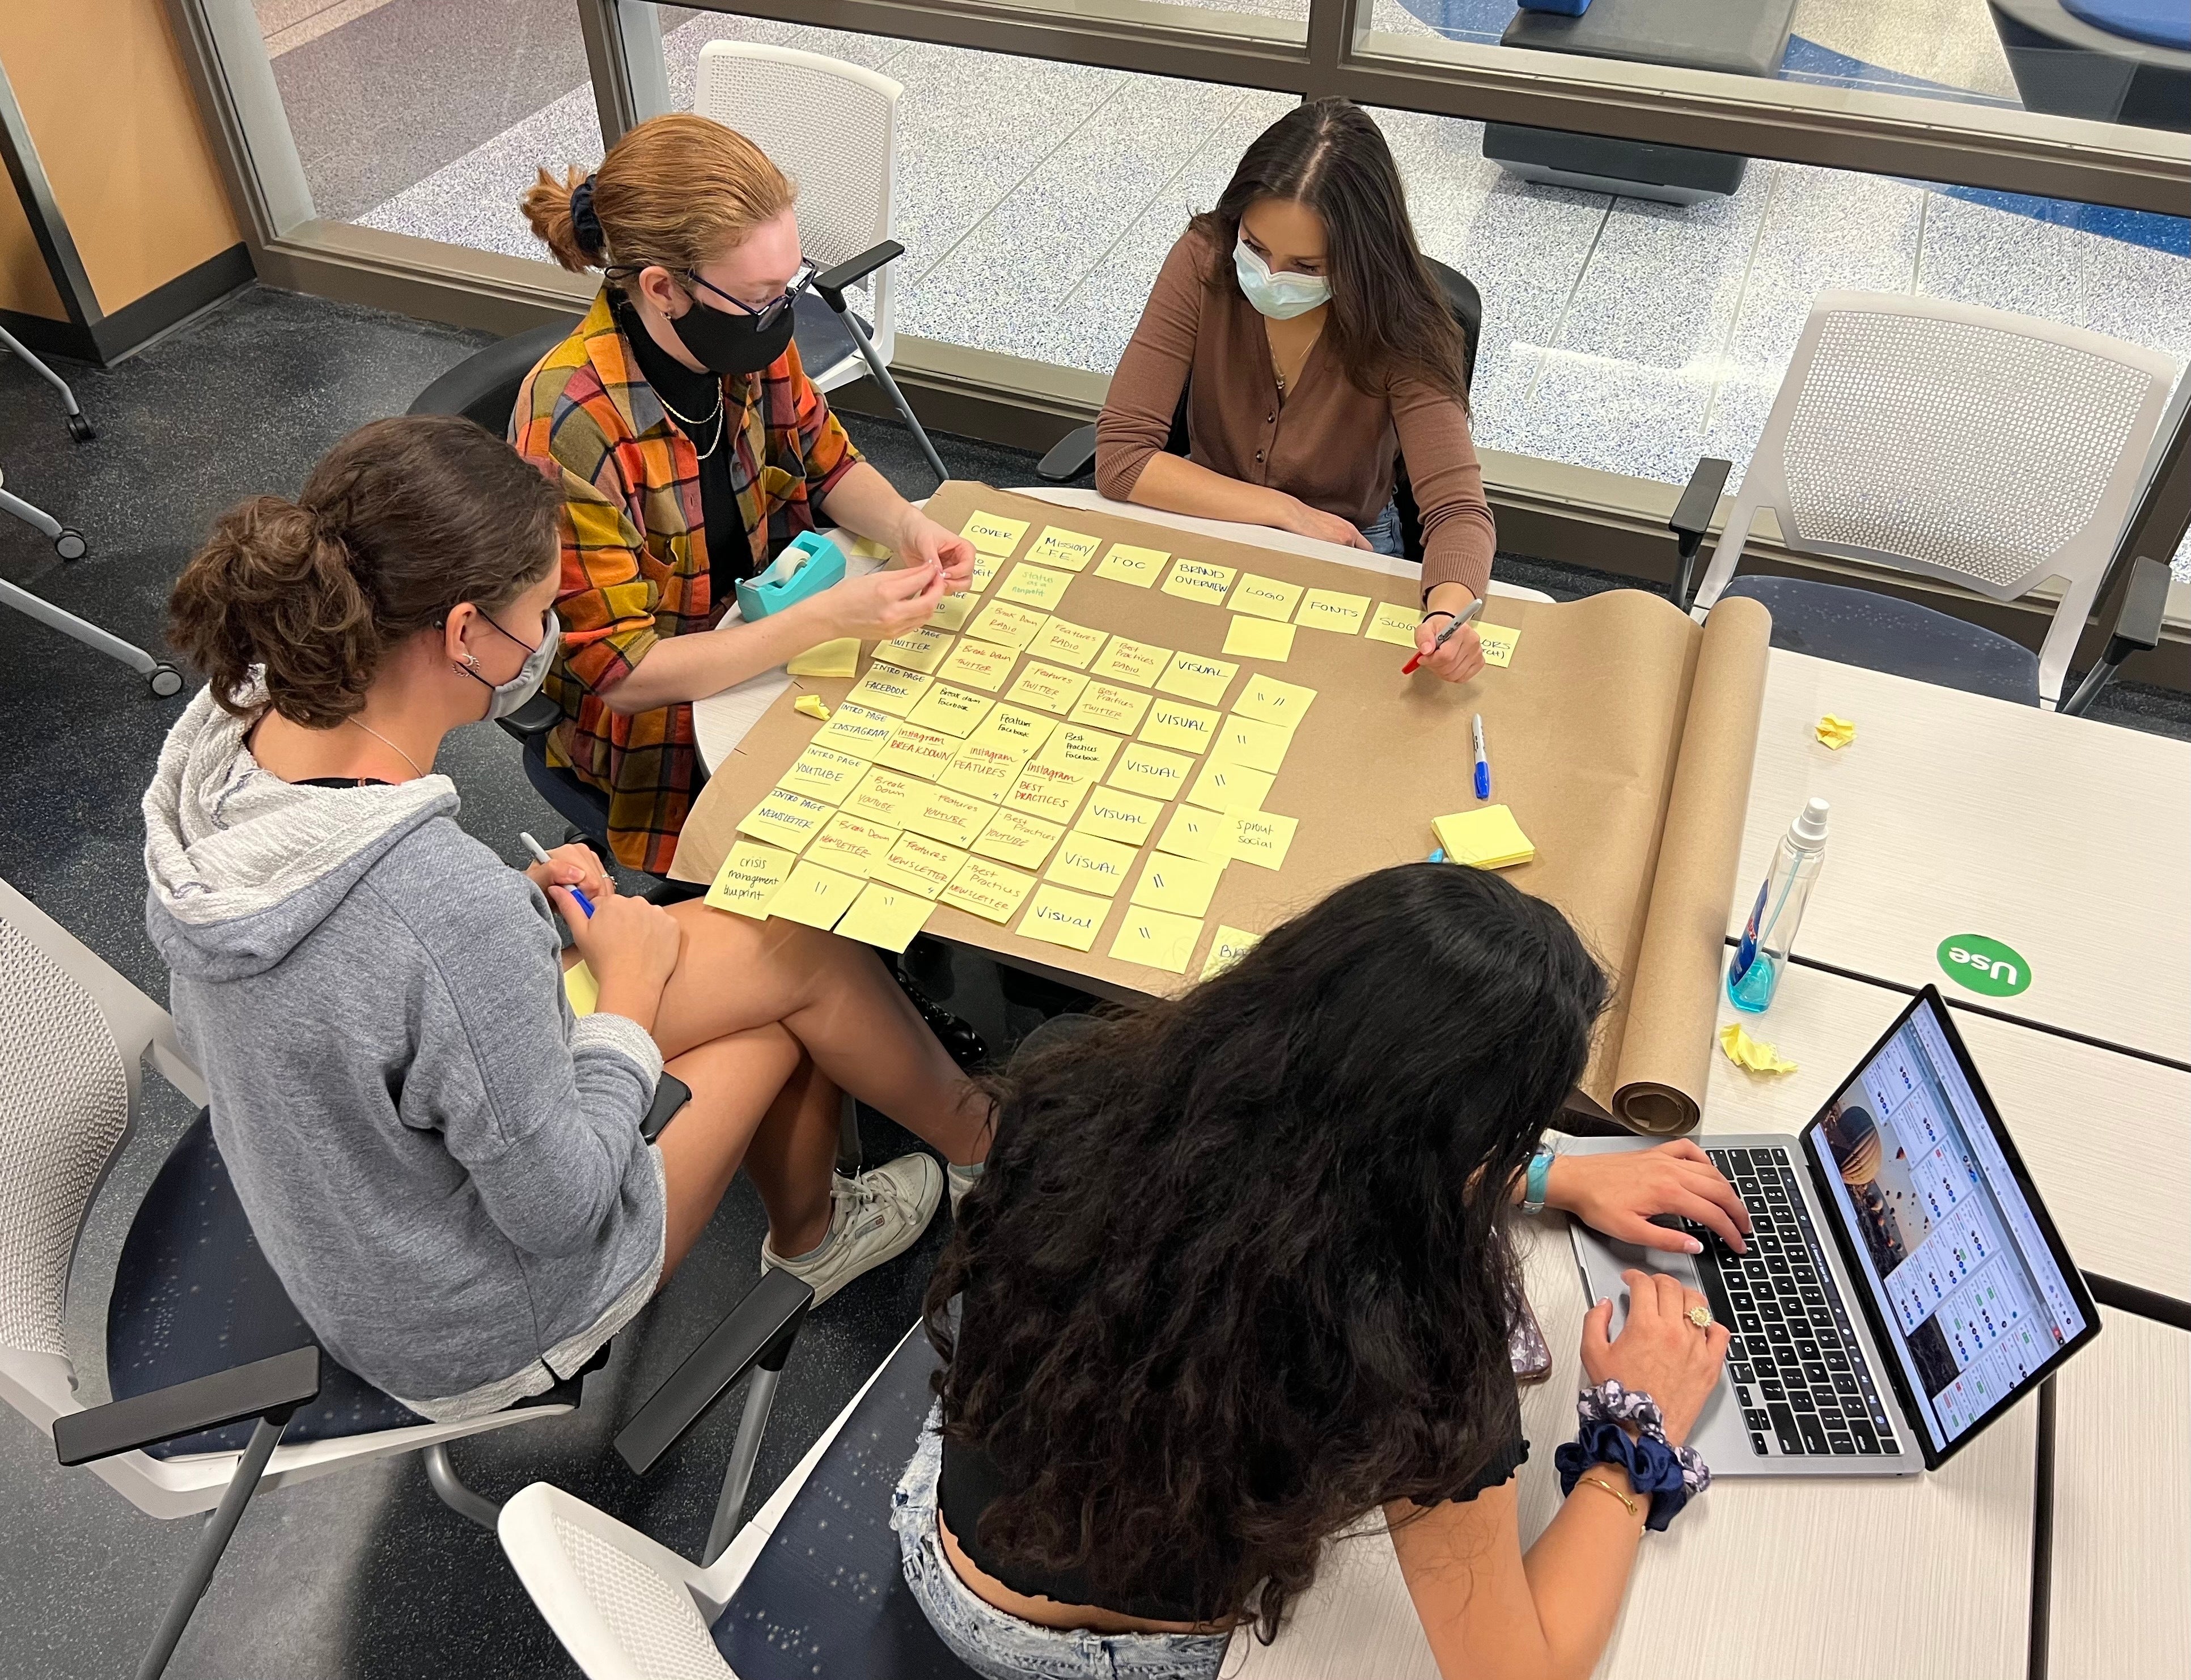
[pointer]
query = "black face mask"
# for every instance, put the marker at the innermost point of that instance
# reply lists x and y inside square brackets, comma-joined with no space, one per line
[726,343]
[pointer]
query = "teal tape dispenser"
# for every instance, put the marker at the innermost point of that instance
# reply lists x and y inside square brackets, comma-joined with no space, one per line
[809,565]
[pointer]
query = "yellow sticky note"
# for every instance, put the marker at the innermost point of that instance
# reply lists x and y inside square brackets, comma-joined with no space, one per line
[1266,597]
[1174,724]
[1226,786]
[1262,838]
[812,705]
[1269,701]
[1754,1054]
[885,917]
[1203,835]
[955,711]
[815,895]
[992,533]
[1182,885]
[952,612]
[851,843]
[919,752]
[1014,731]
[785,818]
[1135,662]
[978,664]
[1069,644]
[1835,732]
[1126,564]
[1226,947]
[1331,610]
[986,772]
[1393,624]
[1091,863]
[748,878]
[1198,580]
[1252,742]
[920,650]
[1488,838]
[882,797]
[1157,939]
[1143,769]
[1197,676]
[1017,837]
[840,658]
[984,572]
[1260,639]
[857,730]
[1049,791]
[1057,546]
[885,688]
[583,991]
[1002,621]
[1110,705]
[988,890]
[1037,586]
[1499,643]
[824,773]
[1120,816]
[1057,915]
[1075,747]
[942,815]
[1052,687]
[918,864]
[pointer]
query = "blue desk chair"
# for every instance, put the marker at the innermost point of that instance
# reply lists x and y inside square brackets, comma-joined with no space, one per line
[1982,448]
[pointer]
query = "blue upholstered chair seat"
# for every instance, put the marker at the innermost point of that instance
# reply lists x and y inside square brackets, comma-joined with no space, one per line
[1886,633]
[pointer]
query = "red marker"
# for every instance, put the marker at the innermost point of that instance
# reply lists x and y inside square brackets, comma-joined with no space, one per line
[1446,634]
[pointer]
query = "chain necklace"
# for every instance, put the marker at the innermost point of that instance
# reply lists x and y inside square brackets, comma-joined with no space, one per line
[692,424]
[387,744]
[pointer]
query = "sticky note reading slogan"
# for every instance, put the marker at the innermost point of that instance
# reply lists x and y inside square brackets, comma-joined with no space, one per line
[1198,580]
[1017,837]
[992,533]
[919,865]
[1135,662]
[1059,546]
[1488,837]
[1157,939]
[1126,564]
[1271,701]
[1226,947]
[1330,610]
[1069,644]
[988,890]
[978,664]
[583,991]
[1498,643]
[1057,915]
[1260,639]
[1395,624]
[1182,885]
[1034,585]
[840,658]
[1266,597]
[1258,837]
[813,895]
[786,819]
[1143,769]
[749,878]
[885,917]
[851,843]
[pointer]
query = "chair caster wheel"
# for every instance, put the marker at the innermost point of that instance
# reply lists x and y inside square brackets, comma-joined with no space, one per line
[80,429]
[166,682]
[70,544]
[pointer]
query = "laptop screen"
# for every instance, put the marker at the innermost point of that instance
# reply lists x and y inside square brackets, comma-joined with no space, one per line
[1971,1297]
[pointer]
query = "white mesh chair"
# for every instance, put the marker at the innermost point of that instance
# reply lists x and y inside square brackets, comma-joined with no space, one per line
[1970,444]
[831,128]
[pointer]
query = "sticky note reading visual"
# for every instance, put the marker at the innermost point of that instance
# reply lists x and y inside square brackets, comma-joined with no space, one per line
[1120,816]
[748,878]
[1059,546]
[1224,786]
[987,773]
[918,752]
[1269,701]
[1013,731]
[1152,770]
[786,819]
[1135,662]
[1067,644]
[1002,621]
[1036,586]
[1182,885]
[1488,837]
[1075,747]
[583,991]
[851,843]
[952,612]
[1265,597]
[992,533]
[1172,724]
[1252,742]
[1499,644]
[1048,791]
[942,815]
[1198,580]
[1259,639]
[813,895]
[978,664]
[856,729]
[824,773]
[1193,832]
[1393,624]
[885,917]
[920,650]
[1157,939]
[1017,837]
[840,658]
[1109,705]
[1052,687]
[1089,864]
[1057,915]
[955,711]
[1261,838]
[1331,610]
[988,890]
[1126,564]
[918,864]
[1196,676]
[1226,947]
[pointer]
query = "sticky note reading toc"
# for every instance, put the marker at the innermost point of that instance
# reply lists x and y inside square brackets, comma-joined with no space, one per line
[1126,564]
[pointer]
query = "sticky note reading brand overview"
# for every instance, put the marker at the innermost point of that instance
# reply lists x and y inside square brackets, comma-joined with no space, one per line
[1226,947]
[1260,639]
[1120,816]
[955,711]
[988,890]
[824,773]
[978,664]
[748,878]
[1057,915]
[885,917]
[1157,939]
[1331,610]
[840,658]
[1395,624]
[1135,662]
[1182,885]
[992,533]
[1143,769]
[1198,580]
[885,688]
[1499,644]
[1015,837]
[1193,832]
[986,772]
[1269,701]
[1005,622]
[1260,837]
[1089,864]
[920,650]
[1066,643]
[1172,724]
[813,895]
[786,819]
[1265,597]
[851,843]
[1126,564]
[882,797]
[856,729]
[1059,546]
[1052,687]
[1197,676]
[1037,586]
[1110,705]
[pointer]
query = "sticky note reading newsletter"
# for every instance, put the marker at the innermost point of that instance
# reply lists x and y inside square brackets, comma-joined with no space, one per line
[885,917]
[1057,915]
[1260,639]
[988,890]
[1126,564]
[1266,597]
[1157,939]
[992,533]
[1489,838]
[786,819]
[748,878]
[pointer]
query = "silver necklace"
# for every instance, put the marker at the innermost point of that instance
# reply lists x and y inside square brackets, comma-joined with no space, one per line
[690,425]
[387,744]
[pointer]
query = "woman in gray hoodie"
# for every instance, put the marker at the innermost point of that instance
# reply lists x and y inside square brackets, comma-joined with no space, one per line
[443,1164]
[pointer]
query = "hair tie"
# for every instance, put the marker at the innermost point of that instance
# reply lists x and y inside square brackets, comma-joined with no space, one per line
[584,222]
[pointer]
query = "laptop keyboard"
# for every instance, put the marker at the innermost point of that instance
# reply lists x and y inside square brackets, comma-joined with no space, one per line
[1799,1372]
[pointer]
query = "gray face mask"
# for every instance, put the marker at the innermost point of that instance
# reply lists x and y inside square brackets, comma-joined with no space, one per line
[505,697]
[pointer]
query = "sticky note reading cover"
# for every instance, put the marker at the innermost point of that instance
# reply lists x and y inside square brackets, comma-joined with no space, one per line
[1499,644]
[1488,838]
[1000,621]
[978,664]
[988,890]
[1057,546]
[1052,687]
[1126,564]
[1182,885]
[1017,837]
[986,772]
[1198,580]
[1135,662]
[920,650]
[1069,644]
[1395,624]
[1057,915]
[1120,816]
[1089,864]
[955,711]
[1260,639]
[885,688]
[1110,705]
[992,533]
[1034,585]
[1143,769]
[824,773]
[840,658]
[1224,786]
[885,917]
[1172,724]
[1203,835]
[813,895]
[882,797]
[1271,701]
[1226,947]
[1157,939]
[1266,597]
[1196,676]
[748,878]
[583,991]
[786,819]
[856,729]
[1330,610]
[1261,838]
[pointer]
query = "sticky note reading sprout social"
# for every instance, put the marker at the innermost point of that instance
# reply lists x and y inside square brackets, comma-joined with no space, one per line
[992,533]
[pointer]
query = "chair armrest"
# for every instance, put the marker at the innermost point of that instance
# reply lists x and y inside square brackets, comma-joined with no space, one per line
[537,716]
[1070,456]
[759,1331]
[830,284]
[670,1095]
[2138,622]
[269,1388]
[1692,517]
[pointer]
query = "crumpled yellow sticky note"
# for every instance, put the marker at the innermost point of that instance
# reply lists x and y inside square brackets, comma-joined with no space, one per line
[1755,1054]
[1835,732]
[809,705]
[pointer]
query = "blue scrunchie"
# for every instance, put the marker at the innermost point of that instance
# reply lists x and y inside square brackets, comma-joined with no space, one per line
[583,222]
[1652,1468]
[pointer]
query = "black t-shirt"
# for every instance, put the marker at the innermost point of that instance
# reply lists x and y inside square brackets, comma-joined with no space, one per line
[730,552]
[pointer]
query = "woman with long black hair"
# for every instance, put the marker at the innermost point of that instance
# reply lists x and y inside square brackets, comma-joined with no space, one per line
[1321,352]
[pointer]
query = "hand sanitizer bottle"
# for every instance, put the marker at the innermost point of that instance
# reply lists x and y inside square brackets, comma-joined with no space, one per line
[1753,974]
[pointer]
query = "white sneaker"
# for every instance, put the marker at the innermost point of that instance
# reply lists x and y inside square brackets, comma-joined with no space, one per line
[873,1218]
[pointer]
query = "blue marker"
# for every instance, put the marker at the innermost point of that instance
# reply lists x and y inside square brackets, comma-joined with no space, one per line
[1482,759]
[540,856]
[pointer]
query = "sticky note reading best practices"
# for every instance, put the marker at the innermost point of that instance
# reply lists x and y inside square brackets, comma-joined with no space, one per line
[988,890]
[1135,661]
[787,819]
[992,533]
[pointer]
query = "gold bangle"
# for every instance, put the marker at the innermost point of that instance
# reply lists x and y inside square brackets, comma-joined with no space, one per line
[1627,1501]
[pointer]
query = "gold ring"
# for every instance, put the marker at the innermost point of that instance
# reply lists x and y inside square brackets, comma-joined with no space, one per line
[1701,1317]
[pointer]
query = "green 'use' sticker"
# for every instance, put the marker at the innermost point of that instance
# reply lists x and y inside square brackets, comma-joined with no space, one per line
[1984,965]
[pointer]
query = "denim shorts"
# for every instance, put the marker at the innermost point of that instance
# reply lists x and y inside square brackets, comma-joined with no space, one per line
[999,1646]
[1382,533]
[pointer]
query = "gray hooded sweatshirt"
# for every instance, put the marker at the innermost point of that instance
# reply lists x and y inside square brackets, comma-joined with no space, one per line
[443,1167]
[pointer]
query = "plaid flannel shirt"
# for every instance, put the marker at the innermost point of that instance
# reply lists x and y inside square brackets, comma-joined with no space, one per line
[635,550]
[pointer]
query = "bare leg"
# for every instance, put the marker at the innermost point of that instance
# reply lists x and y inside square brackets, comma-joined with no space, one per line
[793,1160]
[738,1084]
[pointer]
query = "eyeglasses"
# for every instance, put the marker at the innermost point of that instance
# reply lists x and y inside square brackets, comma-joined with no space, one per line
[769,313]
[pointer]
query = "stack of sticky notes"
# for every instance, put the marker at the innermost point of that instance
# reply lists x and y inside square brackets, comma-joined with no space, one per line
[1490,838]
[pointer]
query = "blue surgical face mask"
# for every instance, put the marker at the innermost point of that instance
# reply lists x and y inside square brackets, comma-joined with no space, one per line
[1280,296]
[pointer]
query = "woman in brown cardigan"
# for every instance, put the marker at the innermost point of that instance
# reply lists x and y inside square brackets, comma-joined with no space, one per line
[1321,352]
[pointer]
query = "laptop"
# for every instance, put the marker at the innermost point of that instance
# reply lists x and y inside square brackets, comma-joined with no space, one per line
[1903,1287]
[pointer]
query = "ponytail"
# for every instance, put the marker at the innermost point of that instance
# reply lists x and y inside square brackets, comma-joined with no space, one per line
[555,209]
